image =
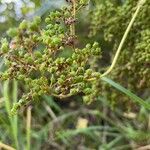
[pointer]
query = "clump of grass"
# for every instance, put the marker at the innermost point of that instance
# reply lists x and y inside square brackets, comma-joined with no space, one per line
[12,120]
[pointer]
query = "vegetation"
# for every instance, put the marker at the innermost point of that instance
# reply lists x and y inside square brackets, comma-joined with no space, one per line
[67,81]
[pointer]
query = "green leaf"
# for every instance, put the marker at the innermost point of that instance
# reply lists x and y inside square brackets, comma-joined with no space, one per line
[133,97]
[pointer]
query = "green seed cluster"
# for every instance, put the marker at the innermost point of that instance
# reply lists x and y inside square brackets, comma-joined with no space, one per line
[111,19]
[32,56]
[100,18]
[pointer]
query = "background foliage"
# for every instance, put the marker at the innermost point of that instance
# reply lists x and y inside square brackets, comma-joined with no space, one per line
[116,119]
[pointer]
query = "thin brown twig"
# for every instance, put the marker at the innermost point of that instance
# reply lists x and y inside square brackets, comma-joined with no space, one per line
[147,147]
[6,147]
[50,111]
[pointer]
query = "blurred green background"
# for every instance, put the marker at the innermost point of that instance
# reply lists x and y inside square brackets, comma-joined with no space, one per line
[69,124]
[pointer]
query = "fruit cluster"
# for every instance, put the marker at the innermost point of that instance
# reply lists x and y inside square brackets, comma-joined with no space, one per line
[32,56]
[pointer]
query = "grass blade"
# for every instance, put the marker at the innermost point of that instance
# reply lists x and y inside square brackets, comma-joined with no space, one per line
[49,100]
[15,117]
[133,97]
[13,120]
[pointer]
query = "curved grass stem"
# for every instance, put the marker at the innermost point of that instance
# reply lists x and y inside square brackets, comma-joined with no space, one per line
[140,4]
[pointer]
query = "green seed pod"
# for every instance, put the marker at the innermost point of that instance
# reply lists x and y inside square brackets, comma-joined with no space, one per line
[12,32]
[8,63]
[73,73]
[55,41]
[23,25]
[21,77]
[60,81]
[47,20]
[35,38]
[81,85]
[74,56]
[88,72]
[88,46]
[62,77]
[35,95]
[22,101]
[52,69]
[28,80]
[87,91]
[73,91]
[58,14]
[5,76]
[95,45]
[87,99]
[52,15]
[16,106]
[42,67]
[49,26]
[66,14]
[81,70]
[4,46]
[40,92]
[26,55]
[97,51]
[38,54]
[29,59]
[79,78]
[33,26]
[37,20]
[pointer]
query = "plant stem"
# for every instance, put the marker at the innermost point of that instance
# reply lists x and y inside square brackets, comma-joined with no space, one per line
[28,128]
[140,4]
[74,15]
[72,27]
[6,147]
